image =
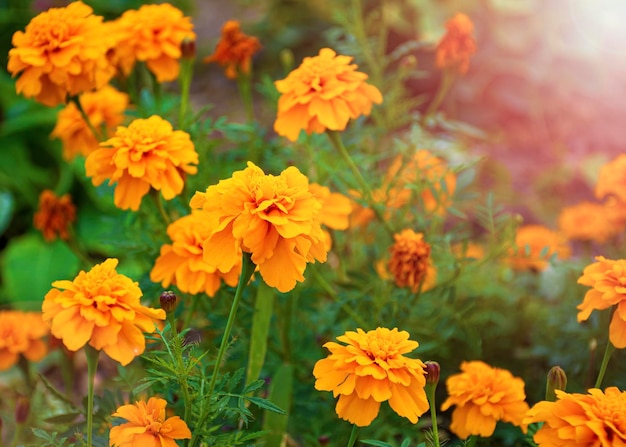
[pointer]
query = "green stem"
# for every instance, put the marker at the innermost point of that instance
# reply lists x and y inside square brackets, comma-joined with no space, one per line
[159,204]
[605,362]
[186,73]
[181,372]
[329,290]
[353,435]
[94,131]
[244,83]
[430,394]
[446,83]
[367,191]
[92,366]
[247,269]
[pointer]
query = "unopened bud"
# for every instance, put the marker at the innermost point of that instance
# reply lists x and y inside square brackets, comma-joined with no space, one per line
[557,380]
[287,59]
[432,372]
[168,301]
[22,409]
[188,48]
[323,440]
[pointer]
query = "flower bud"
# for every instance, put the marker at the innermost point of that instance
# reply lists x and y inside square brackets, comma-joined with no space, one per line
[557,380]
[188,48]
[168,301]
[323,440]
[22,409]
[432,372]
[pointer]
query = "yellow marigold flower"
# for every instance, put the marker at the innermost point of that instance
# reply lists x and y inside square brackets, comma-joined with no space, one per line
[147,426]
[606,278]
[324,92]
[182,262]
[371,368]
[234,51]
[54,215]
[589,221]
[105,109]
[535,245]
[275,218]
[100,307]
[152,34]
[612,179]
[410,263]
[457,45]
[148,153]
[596,419]
[21,333]
[483,395]
[336,208]
[62,51]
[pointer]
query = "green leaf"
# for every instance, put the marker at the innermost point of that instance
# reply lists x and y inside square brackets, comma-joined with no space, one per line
[281,390]
[260,331]
[375,443]
[7,206]
[266,405]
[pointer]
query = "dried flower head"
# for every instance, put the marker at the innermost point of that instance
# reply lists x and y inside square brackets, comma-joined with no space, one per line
[457,45]
[606,278]
[483,395]
[369,369]
[21,333]
[152,34]
[105,109]
[54,215]
[324,92]
[102,308]
[410,263]
[590,221]
[596,419]
[234,51]
[182,262]
[147,426]
[275,218]
[61,52]
[148,153]
[535,245]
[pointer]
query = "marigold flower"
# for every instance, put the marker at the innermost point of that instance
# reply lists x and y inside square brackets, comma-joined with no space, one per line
[596,419]
[457,45]
[606,278]
[371,368]
[410,263]
[336,208]
[483,395]
[589,221]
[105,109]
[182,262]
[323,93]
[62,51]
[535,245]
[152,34]
[148,153]
[100,307]
[275,218]
[612,179]
[54,215]
[21,333]
[147,426]
[234,51]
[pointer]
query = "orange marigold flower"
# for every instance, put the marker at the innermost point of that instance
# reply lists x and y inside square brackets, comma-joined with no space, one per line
[100,307]
[275,218]
[234,51]
[21,333]
[324,92]
[147,153]
[483,395]
[410,263]
[105,109]
[371,368]
[147,426]
[54,215]
[336,208]
[596,419]
[589,221]
[612,179]
[152,34]
[468,251]
[606,278]
[62,51]
[457,45]
[182,262]
[535,245]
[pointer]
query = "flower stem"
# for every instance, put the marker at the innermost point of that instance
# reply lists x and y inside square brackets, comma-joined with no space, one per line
[92,366]
[446,83]
[605,362]
[430,394]
[94,131]
[336,140]
[186,73]
[353,435]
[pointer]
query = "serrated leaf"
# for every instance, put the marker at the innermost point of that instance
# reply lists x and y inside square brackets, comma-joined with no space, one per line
[376,443]
[266,405]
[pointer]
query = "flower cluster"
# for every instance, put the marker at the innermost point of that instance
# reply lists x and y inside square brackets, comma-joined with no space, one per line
[369,369]
[21,333]
[275,218]
[101,308]
[234,51]
[535,245]
[55,215]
